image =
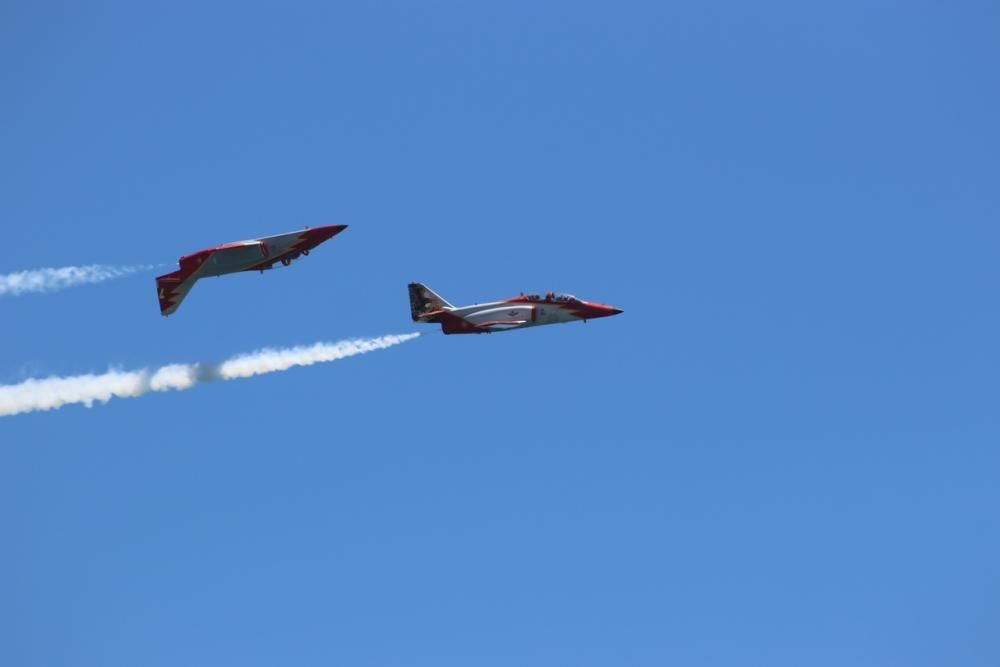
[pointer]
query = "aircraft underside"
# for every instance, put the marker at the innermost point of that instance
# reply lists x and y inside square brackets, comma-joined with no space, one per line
[253,255]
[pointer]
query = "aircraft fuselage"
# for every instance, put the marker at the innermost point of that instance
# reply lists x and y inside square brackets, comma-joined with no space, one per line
[253,255]
[517,313]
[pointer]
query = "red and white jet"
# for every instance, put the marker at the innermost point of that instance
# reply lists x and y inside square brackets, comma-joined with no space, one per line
[523,311]
[252,255]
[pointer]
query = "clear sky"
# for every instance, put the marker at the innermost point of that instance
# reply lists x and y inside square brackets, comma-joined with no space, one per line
[785,452]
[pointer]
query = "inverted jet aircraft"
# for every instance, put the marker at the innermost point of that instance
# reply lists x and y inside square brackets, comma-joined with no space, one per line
[253,255]
[523,311]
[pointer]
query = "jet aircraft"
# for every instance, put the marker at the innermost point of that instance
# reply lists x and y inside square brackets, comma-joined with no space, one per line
[253,255]
[517,313]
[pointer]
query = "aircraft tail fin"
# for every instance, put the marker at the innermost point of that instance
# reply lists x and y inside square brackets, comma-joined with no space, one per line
[423,300]
[171,290]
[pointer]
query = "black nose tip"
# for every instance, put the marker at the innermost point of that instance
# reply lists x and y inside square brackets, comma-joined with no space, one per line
[617,311]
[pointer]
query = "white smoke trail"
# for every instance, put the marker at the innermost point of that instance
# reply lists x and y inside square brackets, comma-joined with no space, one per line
[55,392]
[51,280]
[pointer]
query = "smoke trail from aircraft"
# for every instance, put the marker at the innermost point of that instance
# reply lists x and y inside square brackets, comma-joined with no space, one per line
[54,279]
[55,392]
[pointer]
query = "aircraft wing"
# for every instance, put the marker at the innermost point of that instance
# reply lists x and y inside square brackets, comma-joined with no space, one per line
[242,256]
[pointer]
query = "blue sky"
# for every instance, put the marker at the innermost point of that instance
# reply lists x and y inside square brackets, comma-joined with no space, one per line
[785,452]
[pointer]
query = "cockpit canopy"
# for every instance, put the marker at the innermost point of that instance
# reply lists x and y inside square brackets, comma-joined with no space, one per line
[553,296]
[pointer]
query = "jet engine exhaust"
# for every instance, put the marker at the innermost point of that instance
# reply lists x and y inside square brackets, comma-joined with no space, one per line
[54,392]
[55,279]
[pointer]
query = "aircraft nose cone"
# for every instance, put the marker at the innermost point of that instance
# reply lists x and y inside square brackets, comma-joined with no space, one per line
[600,310]
[317,235]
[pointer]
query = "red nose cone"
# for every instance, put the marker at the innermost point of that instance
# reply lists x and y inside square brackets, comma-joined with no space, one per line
[600,310]
[319,234]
